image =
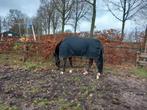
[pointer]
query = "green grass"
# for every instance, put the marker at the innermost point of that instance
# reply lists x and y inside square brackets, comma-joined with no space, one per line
[35,62]
[107,69]
[41,102]
[142,72]
[32,63]
[6,107]
[66,105]
[61,103]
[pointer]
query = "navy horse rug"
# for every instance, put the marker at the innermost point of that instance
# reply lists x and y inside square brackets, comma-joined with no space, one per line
[76,46]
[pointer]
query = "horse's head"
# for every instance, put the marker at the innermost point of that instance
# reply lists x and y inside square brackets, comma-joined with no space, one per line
[57,60]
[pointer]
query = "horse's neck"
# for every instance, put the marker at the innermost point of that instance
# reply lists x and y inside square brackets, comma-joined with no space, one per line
[57,48]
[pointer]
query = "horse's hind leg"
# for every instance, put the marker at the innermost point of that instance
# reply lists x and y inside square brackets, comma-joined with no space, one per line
[64,65]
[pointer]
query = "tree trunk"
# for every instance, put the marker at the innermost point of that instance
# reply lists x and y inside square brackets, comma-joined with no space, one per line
[75,28]
[54,29]
[48,25]
[63,17]
[122,30]
[123,20]
[93,19]
[63,24]
[0,25]
[145,41]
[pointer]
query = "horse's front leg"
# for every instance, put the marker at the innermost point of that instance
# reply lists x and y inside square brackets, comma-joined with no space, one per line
[64,65]
[99,64]
[70,61]
[90,64]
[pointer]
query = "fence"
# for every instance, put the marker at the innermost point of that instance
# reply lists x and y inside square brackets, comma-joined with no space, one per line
[114,52]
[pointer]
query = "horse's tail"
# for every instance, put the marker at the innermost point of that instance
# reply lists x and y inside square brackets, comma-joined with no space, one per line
[101,61]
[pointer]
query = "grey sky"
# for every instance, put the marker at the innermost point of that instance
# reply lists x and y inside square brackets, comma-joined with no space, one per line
[104,19]
[28,7]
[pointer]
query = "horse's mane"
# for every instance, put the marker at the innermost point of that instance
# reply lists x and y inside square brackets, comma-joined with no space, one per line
[57,48]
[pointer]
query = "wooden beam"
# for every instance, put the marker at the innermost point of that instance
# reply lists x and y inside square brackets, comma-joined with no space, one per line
[143,55]
[142,63]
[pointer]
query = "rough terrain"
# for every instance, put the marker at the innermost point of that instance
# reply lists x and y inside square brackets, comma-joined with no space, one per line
[22,89]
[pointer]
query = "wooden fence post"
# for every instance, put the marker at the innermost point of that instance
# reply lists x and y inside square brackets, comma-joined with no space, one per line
[137,58]
[25,52]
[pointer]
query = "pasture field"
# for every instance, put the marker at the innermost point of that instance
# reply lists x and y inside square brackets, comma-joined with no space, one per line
[37,85]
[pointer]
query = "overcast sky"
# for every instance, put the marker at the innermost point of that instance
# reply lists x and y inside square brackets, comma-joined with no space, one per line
[104,19]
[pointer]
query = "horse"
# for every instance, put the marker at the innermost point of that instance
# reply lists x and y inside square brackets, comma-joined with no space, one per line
[77,46]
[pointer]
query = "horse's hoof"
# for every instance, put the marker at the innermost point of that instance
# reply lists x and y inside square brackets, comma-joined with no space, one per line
[98,76]
[85,72]
[70,71]
[61,72]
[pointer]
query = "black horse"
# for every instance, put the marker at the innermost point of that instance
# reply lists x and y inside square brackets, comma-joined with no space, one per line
[76,46]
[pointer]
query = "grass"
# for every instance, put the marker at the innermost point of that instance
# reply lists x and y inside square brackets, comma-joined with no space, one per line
[66,105]
[130,69]
[60,102]
[108,69]
[6,107]
[41,102]
[35,62]
[142,72]
[32,63]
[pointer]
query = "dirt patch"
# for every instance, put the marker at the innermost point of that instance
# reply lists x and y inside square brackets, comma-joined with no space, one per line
[49,90]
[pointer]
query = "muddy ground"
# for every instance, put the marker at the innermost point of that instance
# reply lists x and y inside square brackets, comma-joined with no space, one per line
[22,89]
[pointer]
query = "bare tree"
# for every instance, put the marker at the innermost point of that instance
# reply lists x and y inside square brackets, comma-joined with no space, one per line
[55,21]
[46,11]
[55,18]
[124,10]
[15,20]
[80,11]
[37,23]
[93,4]
[41,18]
[144,15]
[143,12]
[5,25]
[64,8]
[44,16]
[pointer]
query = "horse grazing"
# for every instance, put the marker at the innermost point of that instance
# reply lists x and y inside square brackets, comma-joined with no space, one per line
[76,46]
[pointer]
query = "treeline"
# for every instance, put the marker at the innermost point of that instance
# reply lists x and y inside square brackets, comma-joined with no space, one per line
[54,15]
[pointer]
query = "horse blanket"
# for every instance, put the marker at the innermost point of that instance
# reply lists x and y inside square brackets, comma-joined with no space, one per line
[76,46]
